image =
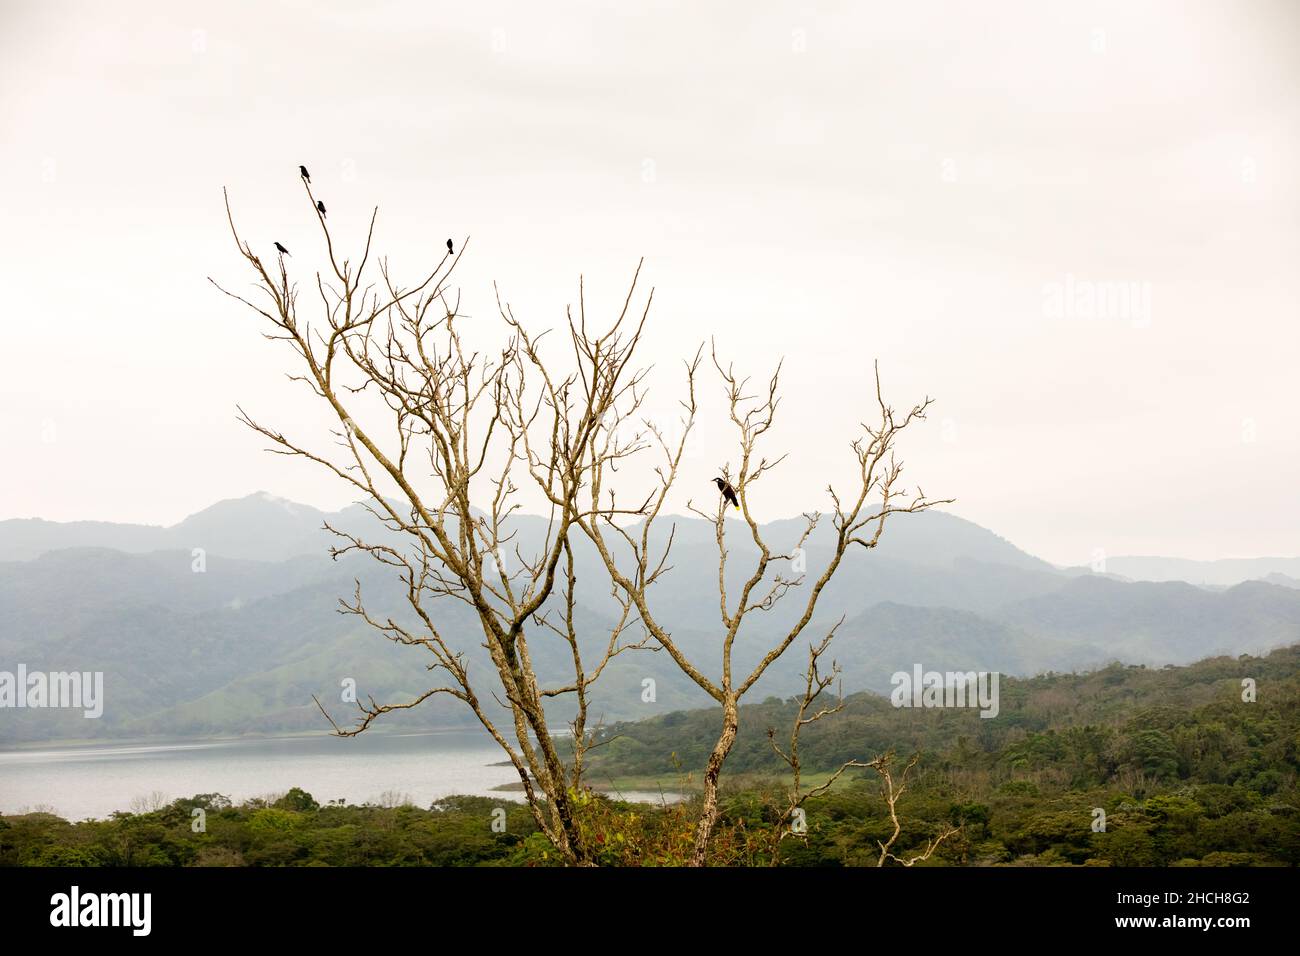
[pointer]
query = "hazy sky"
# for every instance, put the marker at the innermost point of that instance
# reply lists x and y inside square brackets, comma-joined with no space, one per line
[948,187]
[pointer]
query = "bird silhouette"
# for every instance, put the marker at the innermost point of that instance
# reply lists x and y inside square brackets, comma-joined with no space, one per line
[320,206]
[281,249]
[449,248]
[728,492]
[302,170]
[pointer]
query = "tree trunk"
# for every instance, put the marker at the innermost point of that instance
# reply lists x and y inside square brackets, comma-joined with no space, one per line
[709,810]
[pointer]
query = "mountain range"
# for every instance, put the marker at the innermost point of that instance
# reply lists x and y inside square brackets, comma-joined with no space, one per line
[238,637]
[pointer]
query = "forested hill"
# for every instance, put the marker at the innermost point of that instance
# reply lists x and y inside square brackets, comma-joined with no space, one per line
[228,623]
[1126,766]
[1121,725]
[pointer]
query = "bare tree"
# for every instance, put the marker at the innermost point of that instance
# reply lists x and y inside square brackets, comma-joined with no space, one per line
[148,803]
[432,435]
[857,518]
[892,793]
[815,683]
[810,713]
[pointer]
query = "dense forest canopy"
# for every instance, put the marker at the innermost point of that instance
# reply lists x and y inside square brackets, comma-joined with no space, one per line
[1184,770]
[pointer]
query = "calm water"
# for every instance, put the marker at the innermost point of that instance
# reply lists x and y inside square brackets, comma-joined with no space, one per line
[93,781]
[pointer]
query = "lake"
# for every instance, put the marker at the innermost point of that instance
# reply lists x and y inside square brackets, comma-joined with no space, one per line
[94,780]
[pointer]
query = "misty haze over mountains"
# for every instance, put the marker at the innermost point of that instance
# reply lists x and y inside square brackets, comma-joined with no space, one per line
[242,646]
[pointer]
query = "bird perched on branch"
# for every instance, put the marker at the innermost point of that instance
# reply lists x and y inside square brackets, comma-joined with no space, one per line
[728,492]
[449,248]
[320,207]
[302,170]
[281,249]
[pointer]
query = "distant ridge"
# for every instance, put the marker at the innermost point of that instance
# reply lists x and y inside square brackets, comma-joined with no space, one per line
[1224,572]
[243,646]
[264,527]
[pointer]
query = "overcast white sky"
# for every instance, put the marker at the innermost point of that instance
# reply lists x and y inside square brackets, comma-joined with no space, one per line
[828,182]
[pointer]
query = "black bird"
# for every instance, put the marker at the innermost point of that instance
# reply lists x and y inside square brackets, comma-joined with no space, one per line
[728,492]
[449,248]
[281,249]
[320,206]
[303,172]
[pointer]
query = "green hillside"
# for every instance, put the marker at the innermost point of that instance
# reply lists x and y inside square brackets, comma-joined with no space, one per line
[1126,766]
